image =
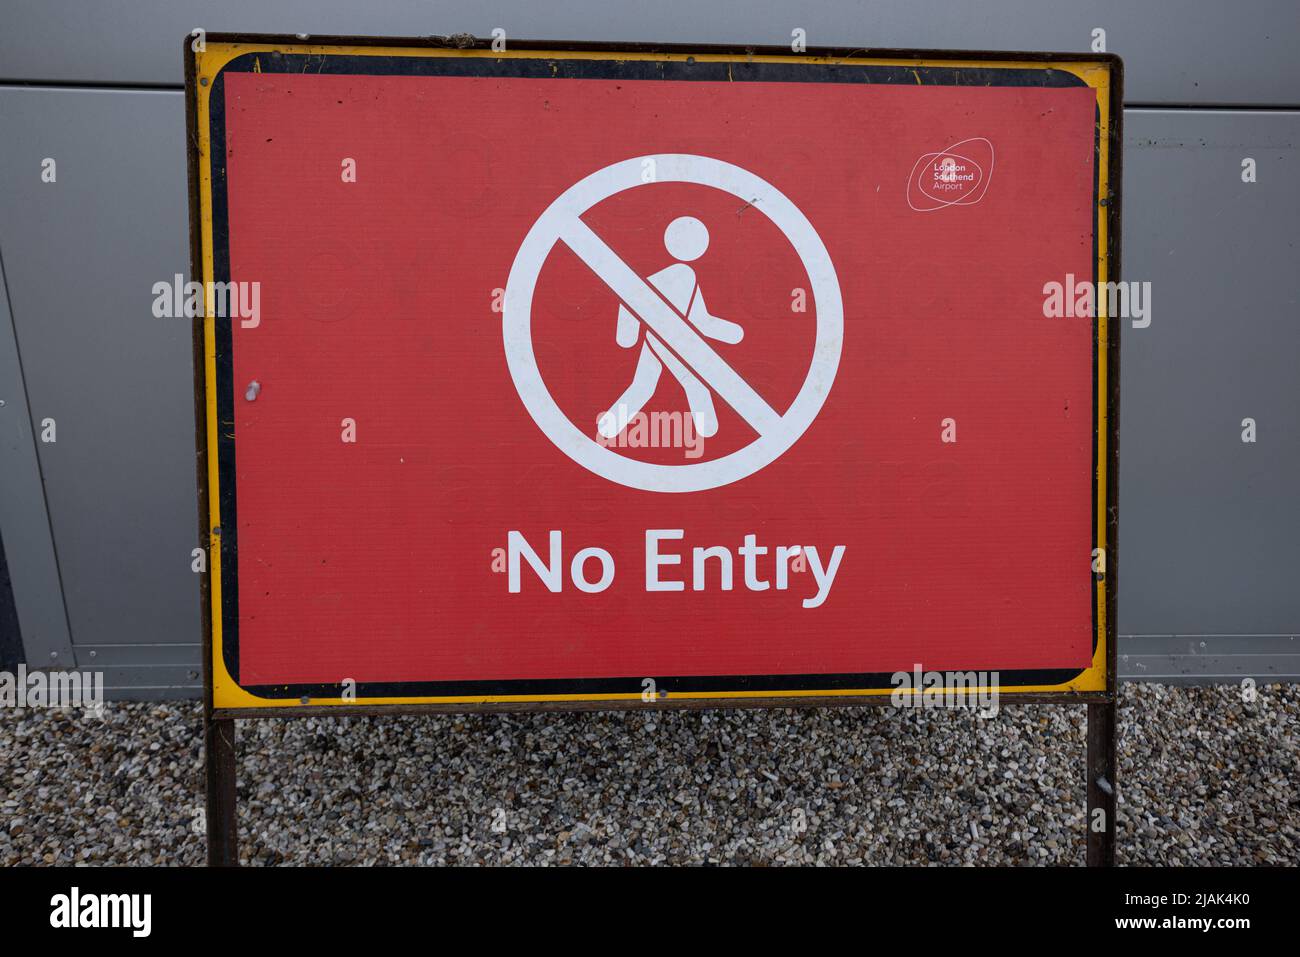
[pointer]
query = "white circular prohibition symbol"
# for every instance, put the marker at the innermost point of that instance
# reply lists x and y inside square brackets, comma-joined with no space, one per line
[560,223]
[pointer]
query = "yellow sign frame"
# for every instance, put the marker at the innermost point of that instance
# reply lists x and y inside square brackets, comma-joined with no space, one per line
[204,69]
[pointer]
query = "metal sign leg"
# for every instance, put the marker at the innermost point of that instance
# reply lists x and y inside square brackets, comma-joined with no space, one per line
[219,756]
[1102,795]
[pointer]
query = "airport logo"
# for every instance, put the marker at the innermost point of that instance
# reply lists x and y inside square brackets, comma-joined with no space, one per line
[956,176]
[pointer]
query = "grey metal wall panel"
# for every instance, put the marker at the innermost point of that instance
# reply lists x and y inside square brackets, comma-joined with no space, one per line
[82,255]
[1207,52]
[33,569]
[108,656]
[1198,659]
[1210,530]
[1184,646]
[1210,669]
[169,681]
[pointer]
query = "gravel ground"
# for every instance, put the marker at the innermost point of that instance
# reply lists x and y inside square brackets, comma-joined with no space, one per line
[1205,779]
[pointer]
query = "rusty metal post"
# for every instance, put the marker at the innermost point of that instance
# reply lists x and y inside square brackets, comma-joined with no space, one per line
[1102,794]
[219,758]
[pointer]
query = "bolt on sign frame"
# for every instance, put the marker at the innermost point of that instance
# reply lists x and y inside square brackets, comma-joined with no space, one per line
[279,624]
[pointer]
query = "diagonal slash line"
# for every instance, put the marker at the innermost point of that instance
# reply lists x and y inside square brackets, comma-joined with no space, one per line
[669,325]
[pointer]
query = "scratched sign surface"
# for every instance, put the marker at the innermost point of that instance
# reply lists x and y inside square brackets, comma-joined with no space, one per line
[575,375]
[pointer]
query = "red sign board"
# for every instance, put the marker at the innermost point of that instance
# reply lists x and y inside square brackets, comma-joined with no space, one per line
[580,374]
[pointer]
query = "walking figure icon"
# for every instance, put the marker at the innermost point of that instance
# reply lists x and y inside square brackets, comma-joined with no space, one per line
[686,240]
[679,331]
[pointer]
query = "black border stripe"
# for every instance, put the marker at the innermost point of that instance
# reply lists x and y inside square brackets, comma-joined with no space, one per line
[739,70]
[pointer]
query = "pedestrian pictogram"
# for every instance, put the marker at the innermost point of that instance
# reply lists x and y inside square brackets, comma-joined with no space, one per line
[668,315]
[686,239]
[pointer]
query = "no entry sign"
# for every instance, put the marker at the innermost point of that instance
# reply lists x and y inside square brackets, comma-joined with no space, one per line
[584,375]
